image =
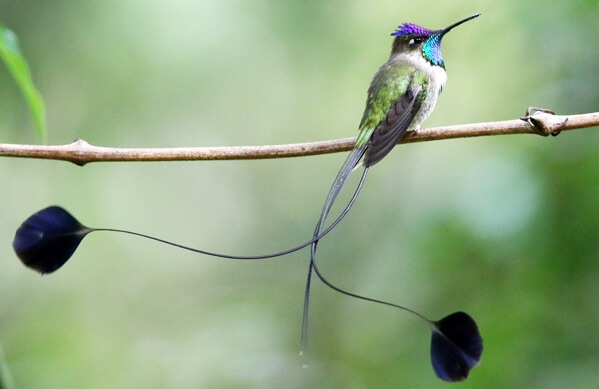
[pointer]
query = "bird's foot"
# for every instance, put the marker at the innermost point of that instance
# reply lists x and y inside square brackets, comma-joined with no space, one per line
[543,121]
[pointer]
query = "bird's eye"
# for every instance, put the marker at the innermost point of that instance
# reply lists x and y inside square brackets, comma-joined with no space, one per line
[416,41]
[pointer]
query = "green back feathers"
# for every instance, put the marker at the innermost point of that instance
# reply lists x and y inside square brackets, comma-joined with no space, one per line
[387,87]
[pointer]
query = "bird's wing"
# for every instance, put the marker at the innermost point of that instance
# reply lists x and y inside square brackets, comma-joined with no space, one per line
[393,127]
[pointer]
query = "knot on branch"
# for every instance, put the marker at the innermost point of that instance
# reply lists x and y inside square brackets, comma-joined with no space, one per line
[544,122]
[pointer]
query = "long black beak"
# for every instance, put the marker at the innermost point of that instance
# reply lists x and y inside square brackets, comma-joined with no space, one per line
[447,29]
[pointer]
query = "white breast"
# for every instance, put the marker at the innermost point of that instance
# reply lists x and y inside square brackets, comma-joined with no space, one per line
[436,81]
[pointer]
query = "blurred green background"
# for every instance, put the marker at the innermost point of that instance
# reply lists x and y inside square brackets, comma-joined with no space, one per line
[504,228]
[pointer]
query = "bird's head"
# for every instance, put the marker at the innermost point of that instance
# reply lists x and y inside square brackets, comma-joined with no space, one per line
[410,37]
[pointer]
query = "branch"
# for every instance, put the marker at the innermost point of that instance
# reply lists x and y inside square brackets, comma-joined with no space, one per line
[80,152]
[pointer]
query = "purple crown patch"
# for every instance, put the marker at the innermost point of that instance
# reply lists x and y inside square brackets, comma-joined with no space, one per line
[409,28]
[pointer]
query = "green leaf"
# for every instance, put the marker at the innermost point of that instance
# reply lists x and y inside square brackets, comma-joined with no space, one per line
[17,65]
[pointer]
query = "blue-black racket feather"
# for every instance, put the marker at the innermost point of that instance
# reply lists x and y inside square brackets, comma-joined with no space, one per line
[48,238]
[456,347]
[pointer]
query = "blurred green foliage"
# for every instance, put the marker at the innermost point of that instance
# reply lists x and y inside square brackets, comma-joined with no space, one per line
[504,228]
[11,55]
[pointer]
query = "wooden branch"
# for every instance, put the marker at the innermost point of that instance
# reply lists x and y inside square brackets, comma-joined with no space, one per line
[80,152]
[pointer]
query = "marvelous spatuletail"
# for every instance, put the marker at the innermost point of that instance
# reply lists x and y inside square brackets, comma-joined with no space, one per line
[402,94]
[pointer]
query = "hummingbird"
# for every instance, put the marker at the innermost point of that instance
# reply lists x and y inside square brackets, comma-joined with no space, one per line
[402,94]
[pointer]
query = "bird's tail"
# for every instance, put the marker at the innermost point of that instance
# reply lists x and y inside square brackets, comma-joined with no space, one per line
[348,166]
